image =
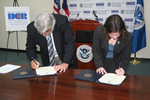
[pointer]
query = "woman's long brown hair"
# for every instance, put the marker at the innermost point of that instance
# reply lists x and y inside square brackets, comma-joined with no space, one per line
[114,23]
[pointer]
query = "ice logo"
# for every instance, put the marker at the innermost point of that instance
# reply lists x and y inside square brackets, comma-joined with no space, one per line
[139,20]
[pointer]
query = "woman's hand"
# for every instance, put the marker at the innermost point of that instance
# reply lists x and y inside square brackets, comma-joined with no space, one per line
[120,71]
[101,70]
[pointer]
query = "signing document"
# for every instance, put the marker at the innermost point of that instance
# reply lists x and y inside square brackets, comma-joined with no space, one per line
[46,70]
[108,78]
[29,72]
[112,79]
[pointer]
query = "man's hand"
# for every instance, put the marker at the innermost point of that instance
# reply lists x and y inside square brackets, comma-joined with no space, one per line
[35,65]
[101,70]
[61,68]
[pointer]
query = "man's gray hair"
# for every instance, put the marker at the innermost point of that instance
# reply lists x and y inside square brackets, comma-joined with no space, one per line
[44,21]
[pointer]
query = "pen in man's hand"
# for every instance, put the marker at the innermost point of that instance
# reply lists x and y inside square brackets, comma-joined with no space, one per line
[33,60]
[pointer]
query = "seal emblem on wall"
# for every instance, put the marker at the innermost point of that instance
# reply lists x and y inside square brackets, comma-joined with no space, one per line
[84,53]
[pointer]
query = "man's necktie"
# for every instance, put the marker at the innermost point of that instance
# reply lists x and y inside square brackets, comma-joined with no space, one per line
[51,51]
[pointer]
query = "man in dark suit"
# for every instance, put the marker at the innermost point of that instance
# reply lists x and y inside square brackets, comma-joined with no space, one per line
[63,39]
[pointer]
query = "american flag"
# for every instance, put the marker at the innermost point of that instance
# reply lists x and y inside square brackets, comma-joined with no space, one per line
[56,7]
[65,8]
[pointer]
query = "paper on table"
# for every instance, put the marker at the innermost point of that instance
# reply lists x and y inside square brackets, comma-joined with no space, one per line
[8,68]
[46,70]
[111,78]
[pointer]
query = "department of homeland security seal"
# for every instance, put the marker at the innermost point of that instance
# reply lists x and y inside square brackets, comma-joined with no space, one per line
[139,20]
[84,53]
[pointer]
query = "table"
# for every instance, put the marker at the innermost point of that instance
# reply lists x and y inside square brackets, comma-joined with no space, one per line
[64,87]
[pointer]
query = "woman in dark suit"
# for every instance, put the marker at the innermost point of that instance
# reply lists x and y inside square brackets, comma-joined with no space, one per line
[112,45]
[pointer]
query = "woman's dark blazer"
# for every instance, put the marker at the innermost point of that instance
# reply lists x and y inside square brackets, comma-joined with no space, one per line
[122,49]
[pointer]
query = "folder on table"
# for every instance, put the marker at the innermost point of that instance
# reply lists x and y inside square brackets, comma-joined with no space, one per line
[108,78]
[24,73]
[88,75]
[29,72]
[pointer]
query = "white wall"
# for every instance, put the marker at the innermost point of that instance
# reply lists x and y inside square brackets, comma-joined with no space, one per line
[38,6]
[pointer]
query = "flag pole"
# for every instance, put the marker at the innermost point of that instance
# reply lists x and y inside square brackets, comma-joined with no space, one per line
[135,61]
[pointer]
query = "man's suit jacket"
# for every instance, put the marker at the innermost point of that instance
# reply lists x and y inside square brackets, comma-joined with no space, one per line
[64,40]
[122,49]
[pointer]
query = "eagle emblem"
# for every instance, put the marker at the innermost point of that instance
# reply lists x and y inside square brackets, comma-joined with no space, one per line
[139,20]
[84,53]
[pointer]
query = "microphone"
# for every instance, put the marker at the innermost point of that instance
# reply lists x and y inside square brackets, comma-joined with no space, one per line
[77,16]
[96,17]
